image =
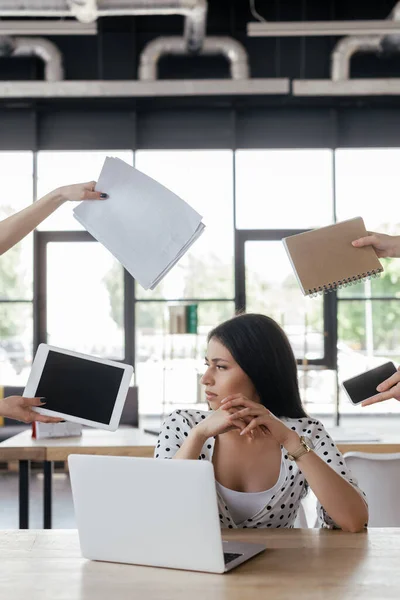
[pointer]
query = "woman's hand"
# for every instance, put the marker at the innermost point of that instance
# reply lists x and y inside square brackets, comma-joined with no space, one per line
[385,246]
[20,409]
[219,421]
[390,388]
[257,416]
[80,191]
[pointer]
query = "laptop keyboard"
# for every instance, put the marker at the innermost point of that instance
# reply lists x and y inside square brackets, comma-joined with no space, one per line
[230,556]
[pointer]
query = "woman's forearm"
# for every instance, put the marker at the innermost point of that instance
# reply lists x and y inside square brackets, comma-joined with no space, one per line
[14,228]
[339,498]
[192,446]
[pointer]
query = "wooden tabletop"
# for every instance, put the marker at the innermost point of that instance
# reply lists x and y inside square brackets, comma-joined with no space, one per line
[128,441]
[298,564]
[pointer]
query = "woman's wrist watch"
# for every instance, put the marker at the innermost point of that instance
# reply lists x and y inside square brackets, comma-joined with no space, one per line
[303,449]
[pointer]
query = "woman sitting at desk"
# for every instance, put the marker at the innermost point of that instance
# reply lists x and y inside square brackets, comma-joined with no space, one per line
[13,230]
[265,449]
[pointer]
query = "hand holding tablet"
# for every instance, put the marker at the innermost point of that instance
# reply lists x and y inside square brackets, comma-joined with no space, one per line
[78,387]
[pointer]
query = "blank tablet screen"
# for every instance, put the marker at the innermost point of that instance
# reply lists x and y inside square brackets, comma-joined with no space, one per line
[79,387]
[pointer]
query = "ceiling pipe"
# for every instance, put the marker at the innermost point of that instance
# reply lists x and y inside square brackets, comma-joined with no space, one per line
[35,46]
[233,51]
[194,12]
[348,46]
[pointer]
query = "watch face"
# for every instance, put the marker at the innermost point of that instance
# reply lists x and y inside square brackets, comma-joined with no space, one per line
[309,442]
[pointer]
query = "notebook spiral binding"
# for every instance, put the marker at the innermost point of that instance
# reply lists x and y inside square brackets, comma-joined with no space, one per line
[337,285]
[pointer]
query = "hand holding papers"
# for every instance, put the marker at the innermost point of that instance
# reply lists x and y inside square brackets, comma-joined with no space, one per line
[144,225]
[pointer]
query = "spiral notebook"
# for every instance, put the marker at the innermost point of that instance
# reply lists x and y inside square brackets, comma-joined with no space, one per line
[324,259]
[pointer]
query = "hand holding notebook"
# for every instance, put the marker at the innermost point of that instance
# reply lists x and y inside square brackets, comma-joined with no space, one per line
[143,224]
[324,259]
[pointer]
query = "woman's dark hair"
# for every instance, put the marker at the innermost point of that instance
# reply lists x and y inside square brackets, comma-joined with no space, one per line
[260,347]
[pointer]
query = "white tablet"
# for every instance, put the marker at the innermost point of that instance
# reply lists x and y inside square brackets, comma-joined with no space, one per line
[79,388]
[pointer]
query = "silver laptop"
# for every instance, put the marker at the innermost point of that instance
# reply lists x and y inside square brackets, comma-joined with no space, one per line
[143,511]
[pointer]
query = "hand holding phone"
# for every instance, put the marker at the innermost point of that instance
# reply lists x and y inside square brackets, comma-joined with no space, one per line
[390,388]
[363,387]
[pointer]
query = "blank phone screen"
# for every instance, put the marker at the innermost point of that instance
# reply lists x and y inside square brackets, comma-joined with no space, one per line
[363,386]
[79,387]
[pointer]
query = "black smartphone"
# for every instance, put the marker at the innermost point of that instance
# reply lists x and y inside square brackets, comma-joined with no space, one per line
[363,386]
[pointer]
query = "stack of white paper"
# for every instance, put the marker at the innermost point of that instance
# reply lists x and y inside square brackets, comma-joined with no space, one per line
[143,224]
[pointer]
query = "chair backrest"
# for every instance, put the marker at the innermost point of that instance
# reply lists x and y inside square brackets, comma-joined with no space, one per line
[130,412]
[378,475]
[301,519]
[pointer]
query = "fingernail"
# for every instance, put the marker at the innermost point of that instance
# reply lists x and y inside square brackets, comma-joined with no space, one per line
[103,195]
[379,387]
[43,400]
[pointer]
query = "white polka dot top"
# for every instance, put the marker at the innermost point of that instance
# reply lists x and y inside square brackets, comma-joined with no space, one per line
[282,507]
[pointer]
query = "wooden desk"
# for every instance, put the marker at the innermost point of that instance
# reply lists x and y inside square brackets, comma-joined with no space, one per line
[298,564]
[126,441]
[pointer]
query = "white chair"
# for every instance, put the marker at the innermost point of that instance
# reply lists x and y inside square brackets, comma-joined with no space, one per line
[301,519]
[378,475]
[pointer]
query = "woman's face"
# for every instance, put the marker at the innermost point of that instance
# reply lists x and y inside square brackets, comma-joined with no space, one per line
[224,377]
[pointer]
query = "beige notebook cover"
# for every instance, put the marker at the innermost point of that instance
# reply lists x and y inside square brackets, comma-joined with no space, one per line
[324,259]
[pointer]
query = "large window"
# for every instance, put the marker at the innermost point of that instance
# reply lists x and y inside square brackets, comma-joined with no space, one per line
[249,200]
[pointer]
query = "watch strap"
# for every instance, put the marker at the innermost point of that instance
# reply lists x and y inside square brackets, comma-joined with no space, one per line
[303,449]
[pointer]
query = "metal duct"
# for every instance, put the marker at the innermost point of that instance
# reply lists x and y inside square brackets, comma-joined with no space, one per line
[194,11]
[348,46]
[36,46]
[161,46]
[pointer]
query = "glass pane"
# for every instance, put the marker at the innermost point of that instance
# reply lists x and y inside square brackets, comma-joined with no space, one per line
[168,367]
[366,184]
[369,335]
[283,189]
[85,299]
[272,289]
[318,393]
[16,265]
[63,168]
[204,179]
[16,330]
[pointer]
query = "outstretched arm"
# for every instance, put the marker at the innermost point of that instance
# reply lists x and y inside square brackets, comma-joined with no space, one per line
[17,226]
